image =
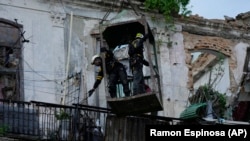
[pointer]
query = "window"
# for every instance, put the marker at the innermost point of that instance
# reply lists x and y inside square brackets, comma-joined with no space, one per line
[11,72]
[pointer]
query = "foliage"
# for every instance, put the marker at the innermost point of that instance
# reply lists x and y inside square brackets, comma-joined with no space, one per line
[62,115]
[169,8]
[206,93]
[3,130]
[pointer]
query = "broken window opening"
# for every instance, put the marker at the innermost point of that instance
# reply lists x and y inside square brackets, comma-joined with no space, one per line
[11,72]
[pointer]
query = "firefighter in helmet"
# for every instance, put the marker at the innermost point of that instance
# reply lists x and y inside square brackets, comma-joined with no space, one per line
[137,61]
[115,72]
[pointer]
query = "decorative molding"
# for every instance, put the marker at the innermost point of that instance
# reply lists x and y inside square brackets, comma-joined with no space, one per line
[57,13]
[57,18]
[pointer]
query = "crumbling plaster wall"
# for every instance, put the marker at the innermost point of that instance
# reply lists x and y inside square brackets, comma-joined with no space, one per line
[47,22]
[173,68]
[207,44]
[45,32]
[229,38]
[47,26]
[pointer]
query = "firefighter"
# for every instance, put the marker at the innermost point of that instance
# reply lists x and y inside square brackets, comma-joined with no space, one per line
[115,71]
[137,61]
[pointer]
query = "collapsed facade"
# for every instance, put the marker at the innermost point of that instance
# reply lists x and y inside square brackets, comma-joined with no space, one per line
[52,43]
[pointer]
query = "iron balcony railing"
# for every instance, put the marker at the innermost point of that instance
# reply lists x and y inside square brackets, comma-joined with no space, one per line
[52,122]
[46,121]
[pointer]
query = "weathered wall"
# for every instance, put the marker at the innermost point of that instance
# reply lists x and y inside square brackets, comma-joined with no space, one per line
[221,38]
[47,25]
[46,39]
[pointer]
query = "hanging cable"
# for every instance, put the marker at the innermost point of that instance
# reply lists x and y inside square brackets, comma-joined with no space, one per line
[133,8]
[108,12]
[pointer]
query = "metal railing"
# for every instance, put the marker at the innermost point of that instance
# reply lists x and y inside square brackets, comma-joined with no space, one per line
[46,121]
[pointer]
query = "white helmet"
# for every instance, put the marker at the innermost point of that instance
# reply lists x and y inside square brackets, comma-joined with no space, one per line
[94,57]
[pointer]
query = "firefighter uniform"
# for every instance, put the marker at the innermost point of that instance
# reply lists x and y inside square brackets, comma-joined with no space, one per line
[136,49]
[115,72]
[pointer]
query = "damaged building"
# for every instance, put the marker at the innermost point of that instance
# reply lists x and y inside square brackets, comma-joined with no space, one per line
[199,68]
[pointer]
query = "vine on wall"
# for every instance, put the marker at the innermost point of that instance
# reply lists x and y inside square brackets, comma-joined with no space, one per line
[169,8]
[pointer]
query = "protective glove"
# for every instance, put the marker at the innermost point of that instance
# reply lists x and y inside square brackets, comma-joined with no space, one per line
[91,92]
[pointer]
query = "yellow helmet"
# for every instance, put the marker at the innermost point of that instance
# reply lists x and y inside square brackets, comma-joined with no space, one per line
[139,35]
[94,57]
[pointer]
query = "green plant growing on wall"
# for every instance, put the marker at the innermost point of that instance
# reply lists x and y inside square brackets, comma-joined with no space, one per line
[169,8]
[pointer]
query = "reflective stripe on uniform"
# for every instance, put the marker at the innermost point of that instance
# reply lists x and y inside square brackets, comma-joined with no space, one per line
[99,77]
